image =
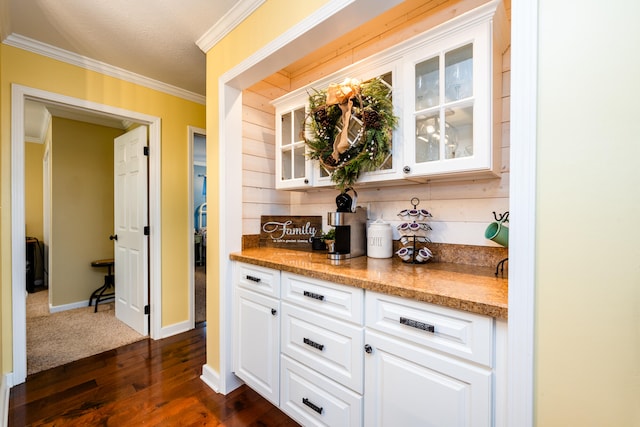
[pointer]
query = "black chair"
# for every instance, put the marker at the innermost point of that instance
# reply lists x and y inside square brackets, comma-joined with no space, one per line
[101,294]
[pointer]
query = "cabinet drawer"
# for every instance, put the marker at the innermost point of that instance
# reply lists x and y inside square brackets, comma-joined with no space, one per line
[334,300]
[258,279]
[459,333]
[332,347]
[313,400]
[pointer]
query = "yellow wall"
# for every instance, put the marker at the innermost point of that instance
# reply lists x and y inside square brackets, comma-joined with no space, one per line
[587,339]
[272,19]
[82,208]
[25,68]
[33,153]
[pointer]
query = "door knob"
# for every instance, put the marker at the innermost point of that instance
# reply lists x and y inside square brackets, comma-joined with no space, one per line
[113,237]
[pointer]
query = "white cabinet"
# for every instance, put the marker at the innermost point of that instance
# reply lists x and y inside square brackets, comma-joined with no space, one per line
[257,329]
[426,365]
[329,354]
[446,92]
[293,170]
[452,111]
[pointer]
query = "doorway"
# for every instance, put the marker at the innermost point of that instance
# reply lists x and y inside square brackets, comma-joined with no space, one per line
[198,222]
[18,265]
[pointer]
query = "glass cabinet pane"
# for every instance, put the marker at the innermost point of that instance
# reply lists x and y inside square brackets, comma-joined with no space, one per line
[287,172]
[459,73]
[428,83]
[428,138]
[298,162]
[298,124]
[286,130]
[459,132]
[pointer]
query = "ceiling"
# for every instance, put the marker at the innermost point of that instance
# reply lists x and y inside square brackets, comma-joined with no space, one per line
[153,38]
[157,39]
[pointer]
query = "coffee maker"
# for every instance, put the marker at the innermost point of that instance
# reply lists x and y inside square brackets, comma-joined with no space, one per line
[350,223]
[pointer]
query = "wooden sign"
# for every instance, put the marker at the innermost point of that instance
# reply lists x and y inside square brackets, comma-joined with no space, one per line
[291,232]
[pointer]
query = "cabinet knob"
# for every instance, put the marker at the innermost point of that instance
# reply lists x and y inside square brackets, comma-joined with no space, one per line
[306,181]
[368,349]
[274,311]
[113,237]
[406,169]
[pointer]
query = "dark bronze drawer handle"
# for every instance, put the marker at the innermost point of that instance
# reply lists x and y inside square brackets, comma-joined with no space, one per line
[313,344]
[418,325]
[253,278]
[314,296]
[316,408]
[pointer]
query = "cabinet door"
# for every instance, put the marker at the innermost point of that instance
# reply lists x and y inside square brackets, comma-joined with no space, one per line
[407,385]
[293,171]
[257,343]
[448,120]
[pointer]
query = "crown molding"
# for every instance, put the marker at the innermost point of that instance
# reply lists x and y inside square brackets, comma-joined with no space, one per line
[227,23]
[31,45]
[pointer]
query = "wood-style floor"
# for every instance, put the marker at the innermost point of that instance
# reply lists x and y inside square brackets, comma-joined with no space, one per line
[150,383]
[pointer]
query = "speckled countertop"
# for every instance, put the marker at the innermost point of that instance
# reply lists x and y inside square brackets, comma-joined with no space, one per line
[464,287]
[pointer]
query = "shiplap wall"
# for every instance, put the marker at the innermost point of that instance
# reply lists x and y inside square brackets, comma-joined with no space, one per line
[461,209]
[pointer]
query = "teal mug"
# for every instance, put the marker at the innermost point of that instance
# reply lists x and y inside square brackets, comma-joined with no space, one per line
[497,232]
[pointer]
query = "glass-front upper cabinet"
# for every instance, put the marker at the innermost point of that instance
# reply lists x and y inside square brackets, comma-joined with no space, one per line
[453,107]
[446,92]
[292,168]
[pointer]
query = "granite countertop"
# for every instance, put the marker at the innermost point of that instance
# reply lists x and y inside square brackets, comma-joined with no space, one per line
[464,287]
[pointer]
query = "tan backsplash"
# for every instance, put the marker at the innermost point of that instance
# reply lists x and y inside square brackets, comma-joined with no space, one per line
[483,256]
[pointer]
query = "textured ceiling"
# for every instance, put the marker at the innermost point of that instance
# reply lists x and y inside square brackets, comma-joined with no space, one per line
[153,38]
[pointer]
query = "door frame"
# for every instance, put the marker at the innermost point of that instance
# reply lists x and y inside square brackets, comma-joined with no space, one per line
[192,132]
[19,94]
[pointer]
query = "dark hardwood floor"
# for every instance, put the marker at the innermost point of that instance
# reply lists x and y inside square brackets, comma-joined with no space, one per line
[150,383]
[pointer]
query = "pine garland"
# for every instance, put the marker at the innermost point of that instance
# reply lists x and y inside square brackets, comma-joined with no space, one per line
[374,108]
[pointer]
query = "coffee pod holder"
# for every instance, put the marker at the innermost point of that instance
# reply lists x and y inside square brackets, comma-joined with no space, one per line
[413,235]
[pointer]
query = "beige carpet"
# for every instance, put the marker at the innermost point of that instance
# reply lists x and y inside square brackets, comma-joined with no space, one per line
[200,280]
[59,338]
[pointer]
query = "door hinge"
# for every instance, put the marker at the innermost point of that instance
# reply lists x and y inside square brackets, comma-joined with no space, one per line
[146,151]
[147,310]
[146,230]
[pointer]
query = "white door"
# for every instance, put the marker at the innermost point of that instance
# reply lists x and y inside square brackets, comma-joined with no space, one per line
[130,216]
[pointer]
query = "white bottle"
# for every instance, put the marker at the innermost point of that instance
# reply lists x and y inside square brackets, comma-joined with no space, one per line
[379,240]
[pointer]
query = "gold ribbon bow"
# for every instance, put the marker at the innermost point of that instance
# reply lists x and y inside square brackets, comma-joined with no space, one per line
[342,95]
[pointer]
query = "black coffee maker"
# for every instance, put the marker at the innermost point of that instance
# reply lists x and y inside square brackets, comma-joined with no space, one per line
[350,222]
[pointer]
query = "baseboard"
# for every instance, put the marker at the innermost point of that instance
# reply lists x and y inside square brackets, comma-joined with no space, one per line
[175,329]
[211,378]
[65,307]
[5,389]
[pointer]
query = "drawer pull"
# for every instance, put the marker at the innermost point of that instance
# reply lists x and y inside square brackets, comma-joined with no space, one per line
[418,325]
[311,405]
[274,311]
[313,295]
[313,344]
[253,278]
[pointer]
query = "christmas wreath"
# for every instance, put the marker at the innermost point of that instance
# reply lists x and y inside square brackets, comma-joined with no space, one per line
[350,128]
